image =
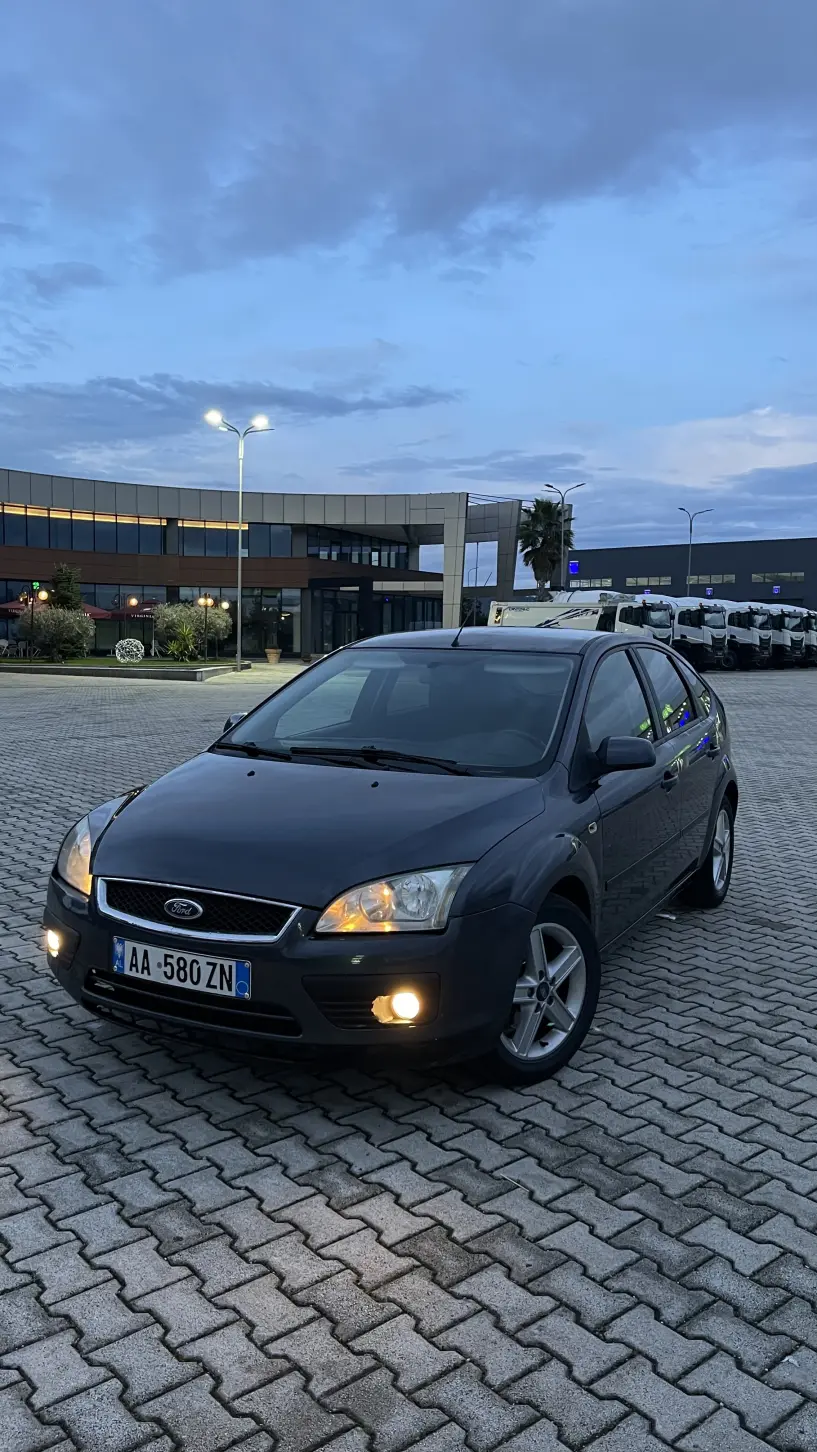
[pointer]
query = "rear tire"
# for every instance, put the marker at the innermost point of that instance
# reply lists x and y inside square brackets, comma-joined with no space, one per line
[709,886]
[554,999]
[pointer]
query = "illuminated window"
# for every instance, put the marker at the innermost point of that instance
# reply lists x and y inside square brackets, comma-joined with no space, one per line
[597,583]
[711,579]
[649,582]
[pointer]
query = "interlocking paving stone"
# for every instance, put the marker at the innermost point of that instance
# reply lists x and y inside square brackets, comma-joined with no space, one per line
[207,1252]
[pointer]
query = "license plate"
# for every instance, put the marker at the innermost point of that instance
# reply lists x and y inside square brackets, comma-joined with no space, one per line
[226,977]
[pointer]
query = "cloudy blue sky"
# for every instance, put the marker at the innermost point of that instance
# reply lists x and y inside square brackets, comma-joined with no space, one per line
[446,244]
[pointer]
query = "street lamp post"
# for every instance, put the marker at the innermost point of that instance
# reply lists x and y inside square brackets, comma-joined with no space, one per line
[691,518]
[258,425]
[207,602]
[29,597]
[563,493]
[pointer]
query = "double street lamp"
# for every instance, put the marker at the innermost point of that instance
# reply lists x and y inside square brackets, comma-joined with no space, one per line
[258,425]
[691,518]
[206,602]
[563,493]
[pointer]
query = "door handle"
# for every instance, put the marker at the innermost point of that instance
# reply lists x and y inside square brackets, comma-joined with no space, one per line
[670,778]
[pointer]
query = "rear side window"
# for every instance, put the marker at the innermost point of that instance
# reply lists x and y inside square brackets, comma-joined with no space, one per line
[616,704]
[674,696]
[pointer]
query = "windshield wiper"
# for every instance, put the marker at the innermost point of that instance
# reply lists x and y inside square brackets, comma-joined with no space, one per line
[251,748]
[375,754]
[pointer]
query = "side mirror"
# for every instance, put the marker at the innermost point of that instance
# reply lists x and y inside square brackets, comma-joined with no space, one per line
[234,720]
[624,753]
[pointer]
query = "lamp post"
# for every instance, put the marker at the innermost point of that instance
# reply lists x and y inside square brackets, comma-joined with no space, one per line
[563,493]
[207,602]
[258,425]
[691,518]
[29,597]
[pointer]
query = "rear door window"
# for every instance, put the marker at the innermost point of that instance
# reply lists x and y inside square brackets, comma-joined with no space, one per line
[675,703]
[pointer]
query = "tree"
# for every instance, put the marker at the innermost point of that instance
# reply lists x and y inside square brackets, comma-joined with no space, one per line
[186,623]
[65,592]
[540,540]
[60,633]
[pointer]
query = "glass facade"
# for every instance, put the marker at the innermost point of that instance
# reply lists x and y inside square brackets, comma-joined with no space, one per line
[356,549]
[597,583]
[64,529]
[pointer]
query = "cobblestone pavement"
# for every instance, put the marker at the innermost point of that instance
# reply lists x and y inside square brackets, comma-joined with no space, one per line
[204,1255]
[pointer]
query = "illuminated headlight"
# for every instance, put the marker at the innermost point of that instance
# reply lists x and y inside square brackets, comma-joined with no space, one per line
[417,902]
[53,942]
[74,861]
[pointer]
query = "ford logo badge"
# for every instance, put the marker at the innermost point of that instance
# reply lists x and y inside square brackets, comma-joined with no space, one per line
[183,908]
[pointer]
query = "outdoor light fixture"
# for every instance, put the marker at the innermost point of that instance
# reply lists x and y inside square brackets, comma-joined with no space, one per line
[42,596]
[260,424]
[206,602]
[132,601]
[401,1007]
[224,604]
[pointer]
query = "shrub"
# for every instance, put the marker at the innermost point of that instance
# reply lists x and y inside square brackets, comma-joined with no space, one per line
[171,619]
[59,633]
[183,645]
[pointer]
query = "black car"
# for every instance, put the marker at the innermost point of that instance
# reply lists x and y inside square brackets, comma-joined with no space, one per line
[421,842]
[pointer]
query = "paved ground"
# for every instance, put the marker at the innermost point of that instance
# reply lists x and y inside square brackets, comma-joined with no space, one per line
[202,1256]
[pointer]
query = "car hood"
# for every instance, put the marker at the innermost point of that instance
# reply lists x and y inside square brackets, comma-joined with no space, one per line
[301,832]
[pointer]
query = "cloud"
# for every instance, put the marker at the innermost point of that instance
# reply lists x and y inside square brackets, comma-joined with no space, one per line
[104,411]
[52,281]
[501,466]
[441,124]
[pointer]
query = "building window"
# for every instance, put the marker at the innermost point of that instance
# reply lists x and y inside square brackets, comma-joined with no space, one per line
[597,583]
[127,536]
[711,579]
[82,532]
[105,533]
[651,582]
[324,544]
[779,577]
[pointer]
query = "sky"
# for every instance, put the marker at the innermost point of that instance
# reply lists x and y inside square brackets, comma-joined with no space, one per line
[444,244]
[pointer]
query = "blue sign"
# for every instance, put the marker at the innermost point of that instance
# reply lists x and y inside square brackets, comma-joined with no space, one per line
[775,589]
[573,567]
[709,590]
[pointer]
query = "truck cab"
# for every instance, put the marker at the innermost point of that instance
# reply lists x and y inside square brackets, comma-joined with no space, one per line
[748,634]
[700,630]
[809,619]
[788,634]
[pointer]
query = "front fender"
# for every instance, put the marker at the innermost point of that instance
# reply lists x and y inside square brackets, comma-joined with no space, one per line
[527,865]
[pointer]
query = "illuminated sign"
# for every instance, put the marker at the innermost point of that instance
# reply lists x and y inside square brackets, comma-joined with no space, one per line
[573,567]
[775,589]
[709,590]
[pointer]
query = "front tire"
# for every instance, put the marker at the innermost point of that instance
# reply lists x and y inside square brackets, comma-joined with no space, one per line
[709,886]
[555,996]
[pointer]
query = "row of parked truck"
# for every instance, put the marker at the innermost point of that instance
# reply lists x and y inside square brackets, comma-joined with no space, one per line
[725,634]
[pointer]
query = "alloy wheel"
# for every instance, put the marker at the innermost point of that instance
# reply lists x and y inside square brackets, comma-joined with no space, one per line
[721,850]
[549,993]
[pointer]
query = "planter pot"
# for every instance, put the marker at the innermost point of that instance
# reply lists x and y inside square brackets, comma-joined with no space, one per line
[273,655]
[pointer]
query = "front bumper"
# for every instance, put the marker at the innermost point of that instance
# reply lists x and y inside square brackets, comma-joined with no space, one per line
[312,994]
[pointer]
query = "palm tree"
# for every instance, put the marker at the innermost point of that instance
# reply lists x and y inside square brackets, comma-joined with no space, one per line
[540,540]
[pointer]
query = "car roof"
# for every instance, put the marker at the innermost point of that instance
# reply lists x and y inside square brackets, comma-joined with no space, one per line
[510,638]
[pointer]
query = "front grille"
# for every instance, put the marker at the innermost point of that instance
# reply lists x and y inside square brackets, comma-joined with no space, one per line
[222,1013]
[222,916]
[347,1001]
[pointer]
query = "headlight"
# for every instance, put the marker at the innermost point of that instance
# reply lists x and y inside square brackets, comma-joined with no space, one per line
[74,861]
[416,902]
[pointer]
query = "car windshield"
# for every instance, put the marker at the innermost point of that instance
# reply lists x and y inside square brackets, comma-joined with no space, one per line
[795,624]
[657,615]
[715,619]
[495,711]
[760,619]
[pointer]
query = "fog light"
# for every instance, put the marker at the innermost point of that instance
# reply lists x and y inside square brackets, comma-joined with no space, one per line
[405,1006]
[401,1007]
[53,942]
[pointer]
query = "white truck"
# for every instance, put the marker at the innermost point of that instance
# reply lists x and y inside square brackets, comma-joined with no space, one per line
[788,633]
[588,610]
[809,619]
[699,630]
[748,634]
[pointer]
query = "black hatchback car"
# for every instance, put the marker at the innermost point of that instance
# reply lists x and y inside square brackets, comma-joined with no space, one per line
[422,842]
